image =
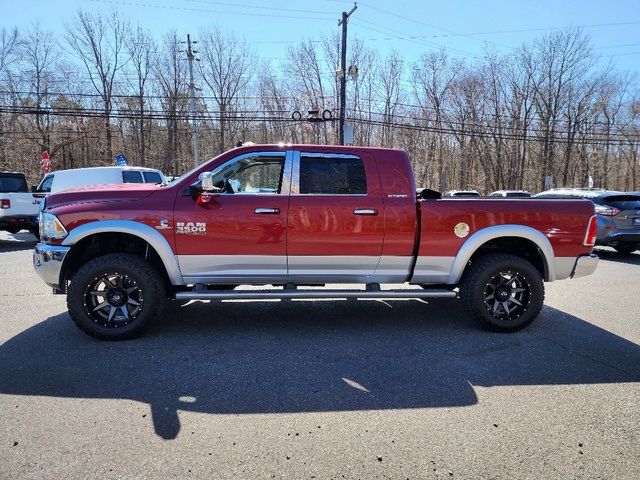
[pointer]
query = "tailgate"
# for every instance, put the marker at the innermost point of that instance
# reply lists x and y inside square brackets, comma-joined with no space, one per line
[21,204]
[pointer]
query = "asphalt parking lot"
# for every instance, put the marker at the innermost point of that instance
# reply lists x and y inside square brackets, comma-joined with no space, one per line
[323,389]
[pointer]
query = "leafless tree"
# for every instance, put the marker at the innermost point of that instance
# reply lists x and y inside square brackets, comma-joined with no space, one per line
[432,78]
[226,66]
[171,74]
[390,75]
[142,52]
[565,57]
[39,54]
[99,44]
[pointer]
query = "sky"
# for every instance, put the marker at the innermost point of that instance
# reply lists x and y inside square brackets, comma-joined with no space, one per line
[464,28]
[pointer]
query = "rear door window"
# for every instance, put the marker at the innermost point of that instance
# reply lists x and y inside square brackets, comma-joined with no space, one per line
[152,177]
[131,176]
[332,176]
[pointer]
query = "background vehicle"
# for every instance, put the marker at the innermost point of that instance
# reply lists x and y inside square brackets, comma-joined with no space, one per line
[618,215]
[78,177]
[18,208]
[462,193]
[303,215]
[510,194]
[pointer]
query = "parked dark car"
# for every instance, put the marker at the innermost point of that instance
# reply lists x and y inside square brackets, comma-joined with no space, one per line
[618,215]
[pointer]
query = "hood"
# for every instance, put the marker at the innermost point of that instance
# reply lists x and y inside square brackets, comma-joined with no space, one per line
[103,193]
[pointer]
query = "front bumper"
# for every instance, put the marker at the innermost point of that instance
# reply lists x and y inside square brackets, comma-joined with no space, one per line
[585,265]
[47,260]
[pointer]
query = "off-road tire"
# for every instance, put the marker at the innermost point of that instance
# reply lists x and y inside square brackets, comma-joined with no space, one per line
[150,294]
[478,281]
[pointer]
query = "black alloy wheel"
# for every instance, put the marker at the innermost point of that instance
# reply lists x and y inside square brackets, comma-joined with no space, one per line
[504,292]
[113,300]
[507,295]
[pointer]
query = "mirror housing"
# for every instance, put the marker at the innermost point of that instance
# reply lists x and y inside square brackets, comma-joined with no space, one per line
[34,188]
[204,185]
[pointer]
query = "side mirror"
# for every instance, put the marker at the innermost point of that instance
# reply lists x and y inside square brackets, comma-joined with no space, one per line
[206,183]
[34,188]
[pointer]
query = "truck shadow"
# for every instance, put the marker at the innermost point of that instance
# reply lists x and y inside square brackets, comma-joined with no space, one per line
[20,241]
[613,256]
[264,357]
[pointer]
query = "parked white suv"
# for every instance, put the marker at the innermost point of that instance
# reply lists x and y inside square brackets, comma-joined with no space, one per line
[78,177]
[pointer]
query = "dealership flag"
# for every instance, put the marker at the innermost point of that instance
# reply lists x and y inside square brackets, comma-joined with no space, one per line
[121,160]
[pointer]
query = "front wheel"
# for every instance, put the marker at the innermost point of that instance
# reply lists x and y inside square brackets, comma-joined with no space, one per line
[116,296]
[504,292]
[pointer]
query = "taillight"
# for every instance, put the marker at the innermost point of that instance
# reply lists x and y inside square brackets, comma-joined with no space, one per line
[607,211]
[592,232]
[6,203]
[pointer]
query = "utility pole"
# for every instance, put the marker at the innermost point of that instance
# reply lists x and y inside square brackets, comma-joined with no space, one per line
[343,68]
[192,94]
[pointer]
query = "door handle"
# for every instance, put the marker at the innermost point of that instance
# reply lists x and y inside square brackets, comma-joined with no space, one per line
[365,211]
[267,211]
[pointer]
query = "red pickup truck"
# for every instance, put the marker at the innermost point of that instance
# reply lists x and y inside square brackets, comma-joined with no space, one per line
[297,217]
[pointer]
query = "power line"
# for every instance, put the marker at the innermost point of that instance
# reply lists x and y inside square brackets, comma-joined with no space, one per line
[274,9]
[480,134]
[471,130]
[218,12]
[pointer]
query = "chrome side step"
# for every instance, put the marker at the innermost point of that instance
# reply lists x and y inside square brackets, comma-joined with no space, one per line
[311,294]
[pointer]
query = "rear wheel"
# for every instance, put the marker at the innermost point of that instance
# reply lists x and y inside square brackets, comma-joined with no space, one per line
[504,292]
[626,248]
[116,296]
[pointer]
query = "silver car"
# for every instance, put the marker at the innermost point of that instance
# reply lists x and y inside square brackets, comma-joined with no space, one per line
[618,215]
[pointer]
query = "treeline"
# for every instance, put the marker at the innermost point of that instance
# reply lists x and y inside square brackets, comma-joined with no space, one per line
[104,86]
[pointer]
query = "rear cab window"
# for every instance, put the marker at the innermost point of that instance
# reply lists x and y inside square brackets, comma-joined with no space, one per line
[131,176]
[152,177]
[13,183]
[335,175]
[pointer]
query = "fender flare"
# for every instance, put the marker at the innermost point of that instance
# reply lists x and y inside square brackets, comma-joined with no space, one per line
[479,238]
[137,229]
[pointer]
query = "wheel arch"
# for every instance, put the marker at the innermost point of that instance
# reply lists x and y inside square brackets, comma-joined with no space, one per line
[123,229]
[514,239]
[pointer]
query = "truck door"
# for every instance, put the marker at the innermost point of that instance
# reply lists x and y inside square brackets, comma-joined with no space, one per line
[335,220]
[238,235]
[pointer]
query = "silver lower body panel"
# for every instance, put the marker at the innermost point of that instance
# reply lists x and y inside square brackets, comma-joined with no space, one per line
[302,269]
[310,294]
